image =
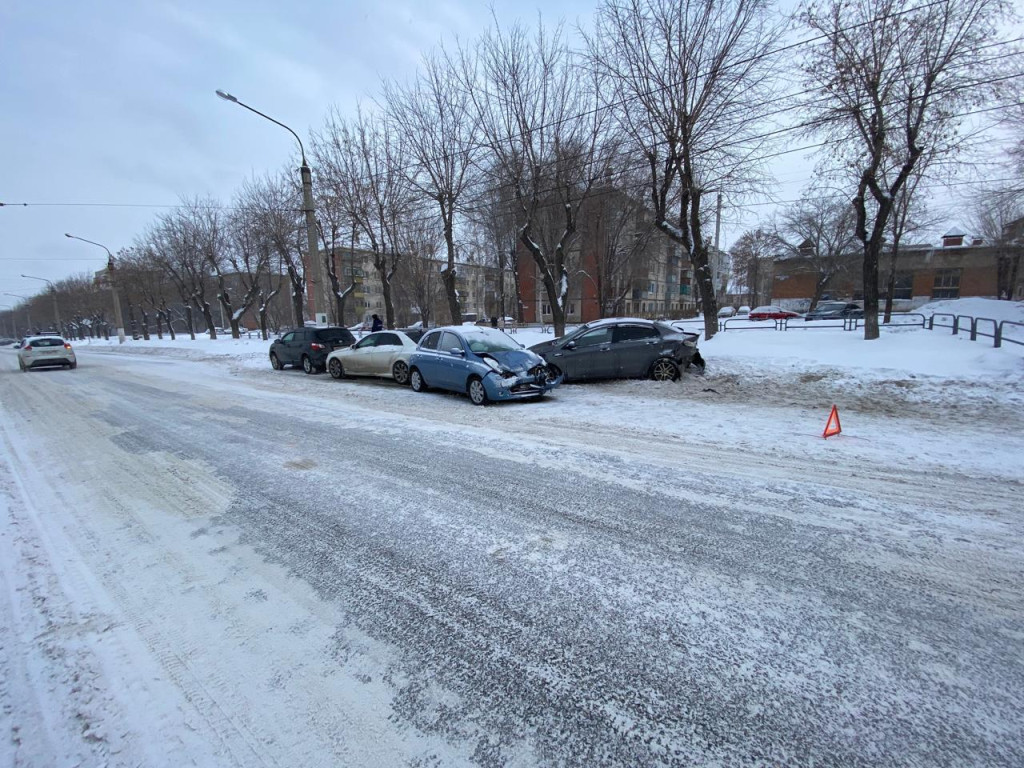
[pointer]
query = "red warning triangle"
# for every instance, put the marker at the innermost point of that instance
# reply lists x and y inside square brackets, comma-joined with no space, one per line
[832,425]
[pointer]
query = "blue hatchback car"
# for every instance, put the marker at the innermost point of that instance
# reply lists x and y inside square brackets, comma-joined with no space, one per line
[482,362]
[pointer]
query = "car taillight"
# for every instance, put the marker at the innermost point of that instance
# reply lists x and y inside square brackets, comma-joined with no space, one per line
[66,345]
[28,347]
[314,345]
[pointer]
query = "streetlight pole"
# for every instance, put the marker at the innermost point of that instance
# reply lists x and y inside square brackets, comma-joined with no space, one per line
[28,311]
[53,290]
[320,281]
[113,286]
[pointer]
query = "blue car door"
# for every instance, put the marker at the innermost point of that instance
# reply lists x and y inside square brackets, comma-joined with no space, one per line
[452,354]
[429,361]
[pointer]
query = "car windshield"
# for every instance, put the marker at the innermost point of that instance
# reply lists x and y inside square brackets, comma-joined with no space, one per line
[490,342]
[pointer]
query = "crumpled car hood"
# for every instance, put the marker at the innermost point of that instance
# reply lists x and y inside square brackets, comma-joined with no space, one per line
[517,360]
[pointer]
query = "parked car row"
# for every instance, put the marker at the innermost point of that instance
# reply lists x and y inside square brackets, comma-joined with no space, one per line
[835,310]
[826,310]
[488,365]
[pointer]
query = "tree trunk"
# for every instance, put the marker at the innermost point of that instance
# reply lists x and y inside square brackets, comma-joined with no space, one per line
[448,277]
[389,307]
[518,311]
[870,276]
[263,321]
[890,282]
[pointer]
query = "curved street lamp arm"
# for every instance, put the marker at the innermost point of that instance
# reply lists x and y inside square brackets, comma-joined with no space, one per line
[48,282]
[302,150]
[91,242]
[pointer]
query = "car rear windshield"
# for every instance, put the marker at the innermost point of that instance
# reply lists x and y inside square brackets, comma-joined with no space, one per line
[335,334]
[51,342]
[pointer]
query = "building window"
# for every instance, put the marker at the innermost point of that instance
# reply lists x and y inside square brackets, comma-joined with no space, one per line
[947,284]
[903,288]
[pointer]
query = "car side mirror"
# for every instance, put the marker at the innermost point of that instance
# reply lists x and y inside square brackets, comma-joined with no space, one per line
[569,345]
[457,351]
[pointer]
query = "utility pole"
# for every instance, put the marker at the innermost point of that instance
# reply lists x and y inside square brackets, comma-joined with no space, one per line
[320,295]
[109,276]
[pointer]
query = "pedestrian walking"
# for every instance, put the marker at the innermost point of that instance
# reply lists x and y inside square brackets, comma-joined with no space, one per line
[377,325]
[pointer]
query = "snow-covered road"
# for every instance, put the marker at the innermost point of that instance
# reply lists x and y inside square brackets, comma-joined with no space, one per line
[209,563]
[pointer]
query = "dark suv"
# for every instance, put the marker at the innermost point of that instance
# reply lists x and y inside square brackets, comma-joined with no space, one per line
[308,347]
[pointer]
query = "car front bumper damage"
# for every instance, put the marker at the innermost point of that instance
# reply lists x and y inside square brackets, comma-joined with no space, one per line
[513,385]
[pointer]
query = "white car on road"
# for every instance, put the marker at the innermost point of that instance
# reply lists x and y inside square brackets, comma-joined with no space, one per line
[38,351]
[384,353]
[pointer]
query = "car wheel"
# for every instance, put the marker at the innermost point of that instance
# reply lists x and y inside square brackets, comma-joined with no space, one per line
[416,381]
[664,370]
[307,364]
[276,364]
[400,370]
[554,372]
[477,393]
[335,368]
[73,366]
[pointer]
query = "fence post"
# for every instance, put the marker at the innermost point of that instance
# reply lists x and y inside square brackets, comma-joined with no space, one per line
[956,324]
[931,323]
[974,329]
[998,337]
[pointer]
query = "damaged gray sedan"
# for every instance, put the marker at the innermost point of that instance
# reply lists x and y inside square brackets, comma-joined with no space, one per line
[622,348]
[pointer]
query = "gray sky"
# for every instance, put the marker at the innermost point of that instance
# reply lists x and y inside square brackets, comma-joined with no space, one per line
[112,102]
[110,105]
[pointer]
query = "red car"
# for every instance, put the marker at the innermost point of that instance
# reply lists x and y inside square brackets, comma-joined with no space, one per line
[771,313]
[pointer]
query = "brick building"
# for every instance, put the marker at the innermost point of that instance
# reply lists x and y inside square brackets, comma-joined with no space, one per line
[961,266]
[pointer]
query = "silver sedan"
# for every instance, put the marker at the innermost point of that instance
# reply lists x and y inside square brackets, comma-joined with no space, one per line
[384,353]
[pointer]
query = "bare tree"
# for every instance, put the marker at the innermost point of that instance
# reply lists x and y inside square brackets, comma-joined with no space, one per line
[539,116]
[688,82]
[998,216]
[422,283]
[753,256]
[819,230]
[141,281]
[338,236]
[892,81]
[621,233]
[250,256]
[274,204]
[909,215]
[360,164]
[438,121]
[493,218]
[176,254]
[202,224]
